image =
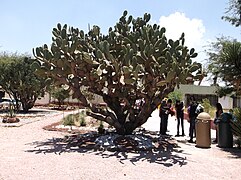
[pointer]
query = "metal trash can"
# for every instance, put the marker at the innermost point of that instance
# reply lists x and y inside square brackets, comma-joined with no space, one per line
[225,135]
[203,130]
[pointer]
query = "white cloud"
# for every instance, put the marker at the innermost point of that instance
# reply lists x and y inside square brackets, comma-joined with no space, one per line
[194,30]
[177,23]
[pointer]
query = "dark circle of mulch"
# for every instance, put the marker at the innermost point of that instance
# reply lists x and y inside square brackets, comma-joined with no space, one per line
[88,139]
[126,143]
[10,120]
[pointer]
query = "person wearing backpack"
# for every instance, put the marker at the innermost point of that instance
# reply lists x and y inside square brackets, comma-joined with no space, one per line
[199,109]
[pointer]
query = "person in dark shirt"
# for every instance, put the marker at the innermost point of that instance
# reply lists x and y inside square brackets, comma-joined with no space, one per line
[219,111]
[180,116]
[192,118]
[165,110]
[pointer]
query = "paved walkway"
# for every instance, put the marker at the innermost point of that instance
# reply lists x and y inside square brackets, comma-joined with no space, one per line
[28,152]
[153,124]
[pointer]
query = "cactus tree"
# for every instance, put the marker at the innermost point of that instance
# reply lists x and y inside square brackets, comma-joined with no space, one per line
[133,62]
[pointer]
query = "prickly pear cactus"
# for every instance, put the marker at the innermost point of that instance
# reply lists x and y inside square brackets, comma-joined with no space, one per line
[132,67]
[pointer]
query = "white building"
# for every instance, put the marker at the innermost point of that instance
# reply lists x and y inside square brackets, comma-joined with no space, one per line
[209,92]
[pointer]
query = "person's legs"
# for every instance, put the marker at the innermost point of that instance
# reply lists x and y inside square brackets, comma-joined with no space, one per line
[182,125]
[164,125]
[167,123]
[192,128]
[216,139]
[161,124]
[178,125]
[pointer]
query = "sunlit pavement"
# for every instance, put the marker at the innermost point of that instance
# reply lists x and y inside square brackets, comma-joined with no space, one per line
[153,124]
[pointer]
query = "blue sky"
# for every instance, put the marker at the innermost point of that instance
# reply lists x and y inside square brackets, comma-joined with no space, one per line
[26,24]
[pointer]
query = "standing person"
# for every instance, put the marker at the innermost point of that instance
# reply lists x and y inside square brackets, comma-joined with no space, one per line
[219,111]
[165,110]
[180,116]
[192,118]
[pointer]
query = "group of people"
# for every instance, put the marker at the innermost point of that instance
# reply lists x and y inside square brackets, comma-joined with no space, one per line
[193,109]
[166,109]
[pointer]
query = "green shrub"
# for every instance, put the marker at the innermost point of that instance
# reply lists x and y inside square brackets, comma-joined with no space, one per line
[206,104]
[77,119]
[69,120]
[175,95]
[82,116]
[208,108]
[60,94]
[212,112]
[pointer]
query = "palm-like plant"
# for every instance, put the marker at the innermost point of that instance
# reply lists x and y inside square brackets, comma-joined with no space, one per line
[230,60]
[236,125]
[225,63]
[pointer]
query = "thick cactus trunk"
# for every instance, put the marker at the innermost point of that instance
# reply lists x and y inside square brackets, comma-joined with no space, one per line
[127,123]
[126,129]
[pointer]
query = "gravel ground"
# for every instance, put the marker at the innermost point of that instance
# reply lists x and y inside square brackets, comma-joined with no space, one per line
[29,152]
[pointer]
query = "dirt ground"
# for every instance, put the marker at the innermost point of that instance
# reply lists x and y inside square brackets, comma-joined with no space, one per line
[30,152]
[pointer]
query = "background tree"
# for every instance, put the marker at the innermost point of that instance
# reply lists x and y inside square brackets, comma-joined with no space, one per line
[175,95]
[134,62]
[225,63]
[233,13]
[18,79]
[60,93]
